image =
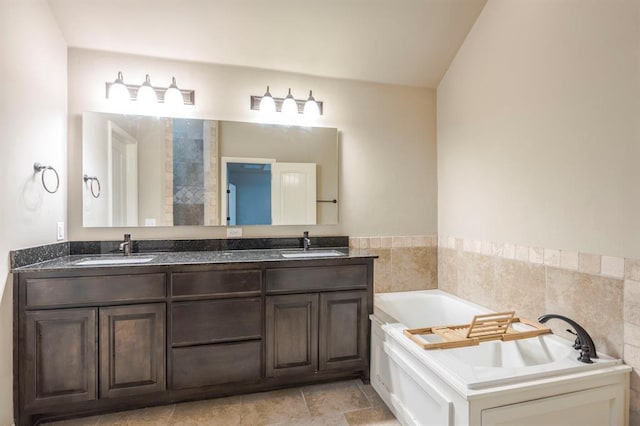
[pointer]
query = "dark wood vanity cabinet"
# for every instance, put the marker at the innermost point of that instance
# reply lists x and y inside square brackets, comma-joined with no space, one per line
[323,329]
[89,341]
[132,350]
[60,357]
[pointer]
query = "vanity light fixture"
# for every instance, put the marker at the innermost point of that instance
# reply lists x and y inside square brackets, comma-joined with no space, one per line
[311,108]
[119,91]
[146,94]
[173,96]
[290,106]
[267,103]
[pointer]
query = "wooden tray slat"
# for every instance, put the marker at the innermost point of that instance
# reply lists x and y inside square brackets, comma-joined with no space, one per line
[496,326]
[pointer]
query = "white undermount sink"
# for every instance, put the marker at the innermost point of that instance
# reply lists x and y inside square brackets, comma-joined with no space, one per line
[114,261]
[314,253]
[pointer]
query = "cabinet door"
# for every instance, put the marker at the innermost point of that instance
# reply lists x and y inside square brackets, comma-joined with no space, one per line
[60,362]
[343,329]
[292,334]
[132,350]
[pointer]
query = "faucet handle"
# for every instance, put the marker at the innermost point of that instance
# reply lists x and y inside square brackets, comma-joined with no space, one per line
[585,355]
[576,343]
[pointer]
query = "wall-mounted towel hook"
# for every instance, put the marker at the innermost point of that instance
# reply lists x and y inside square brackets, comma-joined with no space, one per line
[37,168]
[94,179]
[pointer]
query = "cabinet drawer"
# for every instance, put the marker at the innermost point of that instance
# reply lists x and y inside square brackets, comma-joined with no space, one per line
[215,364]
[316,278]
[218,283]
[211,321]
[93,290]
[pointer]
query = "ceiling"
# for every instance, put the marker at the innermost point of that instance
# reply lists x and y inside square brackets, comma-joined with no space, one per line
[408,42]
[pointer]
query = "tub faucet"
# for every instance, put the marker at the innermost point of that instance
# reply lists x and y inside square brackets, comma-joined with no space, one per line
[125,246]
[306,242]
[583,342]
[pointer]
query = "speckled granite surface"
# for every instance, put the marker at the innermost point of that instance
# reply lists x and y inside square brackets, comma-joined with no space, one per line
[71,262]
[67,255]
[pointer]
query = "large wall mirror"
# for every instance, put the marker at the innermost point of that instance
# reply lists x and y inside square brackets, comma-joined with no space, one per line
[161,171]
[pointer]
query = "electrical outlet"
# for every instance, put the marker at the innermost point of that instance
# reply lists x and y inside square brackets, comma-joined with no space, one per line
[234,232]
[60,231]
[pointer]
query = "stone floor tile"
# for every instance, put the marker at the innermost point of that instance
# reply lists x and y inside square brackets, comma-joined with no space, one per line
[378,416]
[84,421]
[337,397]
[335,419]
[214,412]
[370,393]
[279,406]
[147,416]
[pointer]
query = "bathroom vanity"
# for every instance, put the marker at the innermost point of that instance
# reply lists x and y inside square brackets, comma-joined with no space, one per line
[184,326]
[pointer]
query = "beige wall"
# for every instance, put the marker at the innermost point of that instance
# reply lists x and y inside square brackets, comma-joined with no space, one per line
[33,107]
[387,140]
[538,150]
[538,127]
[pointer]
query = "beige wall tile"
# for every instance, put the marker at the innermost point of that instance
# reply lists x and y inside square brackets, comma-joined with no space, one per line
[632,302]
[375,242]
[594,302]
[486,248]
[386,242]
[522,253]
[631,334]
[447,270]
[407,241]
[475,278]
[382,271]
[589,263]
[509,251]
[414,268]
[396,242]
[552,257]
[451,242]
[520,286]
[364,242]
[420,241]
[497,249]
[569,260]
[632,269]
[467,245]
[612,266]
[476,246]
[354,243]
[536,255]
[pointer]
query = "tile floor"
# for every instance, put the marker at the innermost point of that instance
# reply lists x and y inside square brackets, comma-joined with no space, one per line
[340,403]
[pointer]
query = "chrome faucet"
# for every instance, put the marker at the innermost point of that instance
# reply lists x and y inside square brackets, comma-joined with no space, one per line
[583,342]
[125,246]
[306,241]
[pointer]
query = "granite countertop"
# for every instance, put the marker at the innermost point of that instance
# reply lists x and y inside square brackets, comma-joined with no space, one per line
[71,262]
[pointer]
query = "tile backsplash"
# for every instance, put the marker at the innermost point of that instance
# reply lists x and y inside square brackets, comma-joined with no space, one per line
[600,292]
[407,262]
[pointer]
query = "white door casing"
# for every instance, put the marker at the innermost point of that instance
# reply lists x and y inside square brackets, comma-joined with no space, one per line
[122,177]
[293,194]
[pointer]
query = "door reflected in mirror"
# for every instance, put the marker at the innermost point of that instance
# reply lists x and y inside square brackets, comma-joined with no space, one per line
[161,171]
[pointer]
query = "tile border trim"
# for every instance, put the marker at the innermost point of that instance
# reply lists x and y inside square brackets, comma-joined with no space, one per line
[589,263]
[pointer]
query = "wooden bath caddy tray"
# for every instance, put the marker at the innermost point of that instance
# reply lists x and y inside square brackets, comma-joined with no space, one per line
[496,326]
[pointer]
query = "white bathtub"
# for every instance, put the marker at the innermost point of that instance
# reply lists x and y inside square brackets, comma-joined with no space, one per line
[473,385]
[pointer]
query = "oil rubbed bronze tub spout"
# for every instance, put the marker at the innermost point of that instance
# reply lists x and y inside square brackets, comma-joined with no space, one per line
[583,341]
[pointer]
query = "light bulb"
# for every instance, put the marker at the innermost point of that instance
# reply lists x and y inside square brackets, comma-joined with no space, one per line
[172,96]
[118,92]
[267,104]
[311,108]
[289,106]
[146,94]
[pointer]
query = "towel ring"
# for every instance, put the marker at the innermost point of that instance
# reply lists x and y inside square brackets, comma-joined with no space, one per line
[37,168]
[93,180]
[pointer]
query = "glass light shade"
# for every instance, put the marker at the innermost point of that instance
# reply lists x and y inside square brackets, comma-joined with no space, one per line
[289,106]
[311,108]
[172,96]
[146,94]
[118,92]
[267,104]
